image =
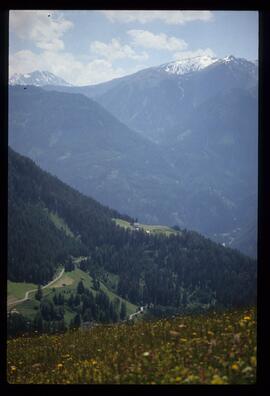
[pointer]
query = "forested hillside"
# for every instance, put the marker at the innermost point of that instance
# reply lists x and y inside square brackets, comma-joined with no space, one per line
[179,272]
[35,245]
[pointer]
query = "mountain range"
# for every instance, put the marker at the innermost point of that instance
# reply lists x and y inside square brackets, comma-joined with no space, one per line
[156,99]
[174,144]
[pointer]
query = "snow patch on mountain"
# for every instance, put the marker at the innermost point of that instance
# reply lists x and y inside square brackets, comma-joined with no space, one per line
[190,65]
[184,66]
[37,78]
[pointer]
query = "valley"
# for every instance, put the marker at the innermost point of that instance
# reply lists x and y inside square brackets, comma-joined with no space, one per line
[133,139]
[112,264]
[174,144]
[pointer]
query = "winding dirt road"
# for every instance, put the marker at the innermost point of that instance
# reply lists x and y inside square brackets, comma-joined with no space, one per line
[31,291]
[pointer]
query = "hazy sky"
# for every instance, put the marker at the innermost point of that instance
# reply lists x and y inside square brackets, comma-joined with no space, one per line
[88,47]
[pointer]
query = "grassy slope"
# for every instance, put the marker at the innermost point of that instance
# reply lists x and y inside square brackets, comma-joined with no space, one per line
[18,289]
[61,224]
[123,223]
[153,229]
[71,280]
[78,275]
[211,349]
[111,281]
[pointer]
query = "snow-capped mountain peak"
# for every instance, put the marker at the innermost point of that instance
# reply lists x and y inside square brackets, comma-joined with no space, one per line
[188,65]
[37,78]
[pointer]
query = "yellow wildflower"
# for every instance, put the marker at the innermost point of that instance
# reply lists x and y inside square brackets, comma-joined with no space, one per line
[235,367]
[93,361]
[13,368]
[192,379]
[247,318]
[60,365]
[217,380]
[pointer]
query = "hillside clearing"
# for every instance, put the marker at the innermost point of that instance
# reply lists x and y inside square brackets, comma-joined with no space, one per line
[61,224]
[65,280]
[67,284]
[152,229]
[17,291]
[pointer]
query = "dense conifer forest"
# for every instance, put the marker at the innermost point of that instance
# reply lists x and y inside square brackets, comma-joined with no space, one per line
[180,272]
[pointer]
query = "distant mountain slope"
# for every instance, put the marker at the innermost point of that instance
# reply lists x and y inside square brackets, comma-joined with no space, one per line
[216,148]
[202,174]
[156,99]
[185,271]
[245,239]
[76,139]
[37,78]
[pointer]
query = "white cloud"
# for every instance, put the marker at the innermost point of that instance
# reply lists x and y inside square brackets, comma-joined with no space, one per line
[43,28]
[99,71]
[146,39]
[168,17]
[65,65]
[193,54]
[115,50]
[24,61]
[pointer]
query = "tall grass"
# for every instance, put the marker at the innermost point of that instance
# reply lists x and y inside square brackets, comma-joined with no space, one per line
[211,349]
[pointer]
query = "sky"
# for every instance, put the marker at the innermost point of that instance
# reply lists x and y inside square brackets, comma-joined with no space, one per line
[90,47]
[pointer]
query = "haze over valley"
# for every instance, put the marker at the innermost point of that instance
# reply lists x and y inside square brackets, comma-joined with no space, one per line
[169,147]
[132,197]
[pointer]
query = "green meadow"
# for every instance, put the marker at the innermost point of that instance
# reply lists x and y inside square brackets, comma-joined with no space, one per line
[153,229]
[215,348]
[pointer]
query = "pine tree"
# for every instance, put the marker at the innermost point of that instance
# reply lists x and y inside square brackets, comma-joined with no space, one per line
[96,284]
[55,299]
[71,301]
[80,287]
[123,311]
[39,293]
[77,320]
[38,322]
